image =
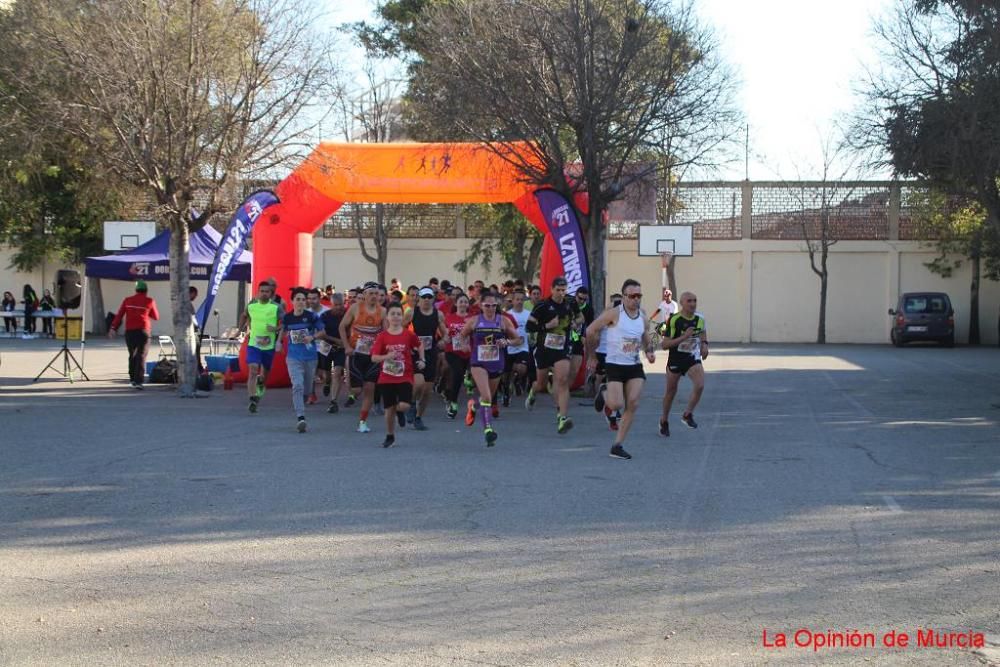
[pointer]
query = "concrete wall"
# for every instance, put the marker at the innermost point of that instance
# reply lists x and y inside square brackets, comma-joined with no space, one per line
[759,291]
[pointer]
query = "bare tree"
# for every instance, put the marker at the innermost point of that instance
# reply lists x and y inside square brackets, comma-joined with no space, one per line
[373,115]
[819,205]
[592,82]
[182,97]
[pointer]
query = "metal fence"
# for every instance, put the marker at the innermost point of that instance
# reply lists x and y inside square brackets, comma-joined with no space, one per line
[722,210]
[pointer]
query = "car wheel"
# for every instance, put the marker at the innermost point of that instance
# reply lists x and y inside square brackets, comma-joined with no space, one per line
[948,341]
[896,340]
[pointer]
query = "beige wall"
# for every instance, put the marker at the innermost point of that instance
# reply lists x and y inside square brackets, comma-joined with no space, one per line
[760,291]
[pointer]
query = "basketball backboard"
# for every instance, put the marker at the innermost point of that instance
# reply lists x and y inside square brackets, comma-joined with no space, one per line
[126,234]
[657,239]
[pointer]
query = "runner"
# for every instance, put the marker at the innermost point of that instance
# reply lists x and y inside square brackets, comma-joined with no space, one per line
[553,319]
[428,324]
[684,335]
[666,308]
[303,327]
[518,355]
[600,375]
[314,303]
[264,325]
[489,333]
[393,351]
[364,321]
[456,353]
[579,331]
[626,339]
[331,352]
[412,299]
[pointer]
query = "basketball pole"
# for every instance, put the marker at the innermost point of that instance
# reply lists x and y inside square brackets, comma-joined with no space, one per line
[83,325]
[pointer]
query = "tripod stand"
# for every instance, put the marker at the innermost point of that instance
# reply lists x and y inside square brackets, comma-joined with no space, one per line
[67,357]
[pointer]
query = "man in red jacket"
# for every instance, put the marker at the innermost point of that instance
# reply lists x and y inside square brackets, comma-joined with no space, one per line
[137,311]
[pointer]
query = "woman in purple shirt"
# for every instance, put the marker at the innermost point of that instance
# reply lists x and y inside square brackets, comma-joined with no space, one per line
[488,333]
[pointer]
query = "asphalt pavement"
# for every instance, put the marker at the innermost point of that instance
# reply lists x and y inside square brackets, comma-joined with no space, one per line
[828,488]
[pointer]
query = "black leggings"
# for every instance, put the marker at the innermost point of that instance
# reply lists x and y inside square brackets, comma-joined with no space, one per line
[10,323]
[458,366]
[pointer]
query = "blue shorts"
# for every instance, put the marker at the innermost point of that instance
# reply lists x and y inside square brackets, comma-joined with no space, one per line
[260,357]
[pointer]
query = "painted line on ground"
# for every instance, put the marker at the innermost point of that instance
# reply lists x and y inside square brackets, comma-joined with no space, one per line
[893,506]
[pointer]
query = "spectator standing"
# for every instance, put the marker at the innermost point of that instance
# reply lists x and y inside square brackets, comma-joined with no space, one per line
[137,311]
[9,305]
[30,301]
[47,305]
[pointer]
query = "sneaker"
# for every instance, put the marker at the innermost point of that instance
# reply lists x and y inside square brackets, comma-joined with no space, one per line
[564,425]
[253,405]
[451,411]
[470,416]
[334,408]
[491,436]
[688,418]
[138,385]
[529,402]
[312,400]
[599,399]
[411,414]
[418,424]
[618,452]
[326,390]
[351,400]
[363,427]
[390,441]
[664,428]
[401,419]
[613,423]
[300,426]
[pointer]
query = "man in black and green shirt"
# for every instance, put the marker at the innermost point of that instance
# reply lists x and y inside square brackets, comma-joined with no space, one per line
[684,335]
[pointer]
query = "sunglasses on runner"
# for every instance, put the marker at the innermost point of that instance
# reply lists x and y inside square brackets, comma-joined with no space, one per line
[634,296]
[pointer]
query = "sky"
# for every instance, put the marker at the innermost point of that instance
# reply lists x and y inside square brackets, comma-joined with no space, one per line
[798,63]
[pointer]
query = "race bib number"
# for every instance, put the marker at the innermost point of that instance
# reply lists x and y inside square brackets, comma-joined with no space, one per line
[297,336]
[461,342]
[263,341]
[323,347]
[394,367]
[689,345]
[364,345]
[555,341]
[427,341]
[630,347]
[489,352]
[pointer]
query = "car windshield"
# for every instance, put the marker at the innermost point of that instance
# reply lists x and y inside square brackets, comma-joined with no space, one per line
[925,304]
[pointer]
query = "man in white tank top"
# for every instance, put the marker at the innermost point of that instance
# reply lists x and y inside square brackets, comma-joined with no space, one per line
[627,340]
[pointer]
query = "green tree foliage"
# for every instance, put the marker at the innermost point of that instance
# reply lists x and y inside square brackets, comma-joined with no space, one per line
[53,209]
[961,231]
[509,237]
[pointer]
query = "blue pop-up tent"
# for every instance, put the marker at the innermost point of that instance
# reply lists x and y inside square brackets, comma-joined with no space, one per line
[151,260]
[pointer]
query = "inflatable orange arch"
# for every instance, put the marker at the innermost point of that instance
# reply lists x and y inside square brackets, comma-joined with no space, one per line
[392,173]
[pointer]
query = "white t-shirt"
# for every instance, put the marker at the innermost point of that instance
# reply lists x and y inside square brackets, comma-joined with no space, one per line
[665,310]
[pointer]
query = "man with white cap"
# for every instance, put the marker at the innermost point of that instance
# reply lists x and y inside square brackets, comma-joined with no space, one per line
[427,323]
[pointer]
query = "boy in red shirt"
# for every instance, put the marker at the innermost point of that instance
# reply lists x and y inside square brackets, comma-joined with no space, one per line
[394,348]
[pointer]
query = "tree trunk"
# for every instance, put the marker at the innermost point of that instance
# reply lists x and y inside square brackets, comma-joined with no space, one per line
[180,304]
[671,278]
[530,269]
[823,281]
[596,241]
[95,297]
[974,338]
